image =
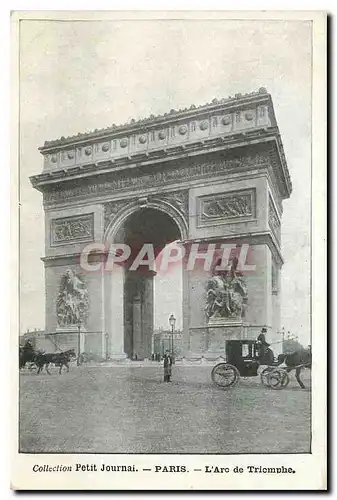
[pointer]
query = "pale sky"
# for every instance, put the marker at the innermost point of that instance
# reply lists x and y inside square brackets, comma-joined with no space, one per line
[79,76]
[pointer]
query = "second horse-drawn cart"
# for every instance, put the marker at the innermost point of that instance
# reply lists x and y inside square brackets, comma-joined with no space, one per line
[243,359]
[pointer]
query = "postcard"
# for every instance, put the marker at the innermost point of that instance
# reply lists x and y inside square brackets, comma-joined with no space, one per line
[169,211]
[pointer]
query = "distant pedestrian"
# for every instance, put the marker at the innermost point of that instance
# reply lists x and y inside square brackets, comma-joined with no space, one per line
[167,367]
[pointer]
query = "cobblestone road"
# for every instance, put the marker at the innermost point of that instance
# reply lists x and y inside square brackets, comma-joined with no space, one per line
[130,410]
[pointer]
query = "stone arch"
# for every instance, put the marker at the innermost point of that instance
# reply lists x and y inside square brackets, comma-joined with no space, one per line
[130,208]
[129,296]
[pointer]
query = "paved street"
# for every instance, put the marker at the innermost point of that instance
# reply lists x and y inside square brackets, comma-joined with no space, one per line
[128,409]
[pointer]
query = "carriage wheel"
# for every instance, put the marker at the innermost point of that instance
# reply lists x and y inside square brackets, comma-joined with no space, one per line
[265,374]
[278,379]
[225,375]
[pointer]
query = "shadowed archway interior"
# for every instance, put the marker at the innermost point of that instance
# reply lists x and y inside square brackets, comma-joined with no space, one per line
[145,226]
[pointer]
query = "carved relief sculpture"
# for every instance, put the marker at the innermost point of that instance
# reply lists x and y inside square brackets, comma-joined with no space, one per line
[178,199]
[71,229]
[72,305]
[111,209]
[226,206]
[226,296]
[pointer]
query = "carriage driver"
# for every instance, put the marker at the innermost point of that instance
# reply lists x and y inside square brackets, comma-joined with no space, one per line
[28,346]
[262,337]
[264,346]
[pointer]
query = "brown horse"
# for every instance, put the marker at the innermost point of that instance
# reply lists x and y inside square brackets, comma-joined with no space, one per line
[298,360]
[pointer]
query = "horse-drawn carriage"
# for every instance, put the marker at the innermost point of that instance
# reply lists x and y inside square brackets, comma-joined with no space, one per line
[34,359]
[243,359]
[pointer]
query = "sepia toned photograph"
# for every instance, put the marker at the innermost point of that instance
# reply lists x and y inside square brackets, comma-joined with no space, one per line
[165,177]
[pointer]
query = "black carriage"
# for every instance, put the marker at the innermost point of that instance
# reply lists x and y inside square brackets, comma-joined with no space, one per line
[243,358]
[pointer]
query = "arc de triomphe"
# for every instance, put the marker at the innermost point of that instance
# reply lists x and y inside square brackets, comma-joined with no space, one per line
[215,174]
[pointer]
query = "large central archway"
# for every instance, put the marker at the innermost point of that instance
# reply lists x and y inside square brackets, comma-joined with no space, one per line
[137,227]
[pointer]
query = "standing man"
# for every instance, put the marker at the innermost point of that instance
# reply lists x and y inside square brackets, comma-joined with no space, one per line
[167,367]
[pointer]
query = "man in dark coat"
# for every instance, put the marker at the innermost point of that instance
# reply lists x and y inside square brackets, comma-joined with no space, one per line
[266,354]
[167,367]
[262,338]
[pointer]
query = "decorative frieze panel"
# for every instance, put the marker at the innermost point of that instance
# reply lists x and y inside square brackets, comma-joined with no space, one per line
[159,178]
[235,206]
[72,229]
[274,221]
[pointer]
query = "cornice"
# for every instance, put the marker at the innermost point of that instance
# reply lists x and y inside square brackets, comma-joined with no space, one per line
[217,127]
[152,120]
[184,173]
[166,155]
[251,238]
[60,260]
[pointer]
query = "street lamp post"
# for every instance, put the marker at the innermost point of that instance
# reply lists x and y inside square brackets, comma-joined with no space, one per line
[172,322]
[78,344]
[283,335]
[106,346]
